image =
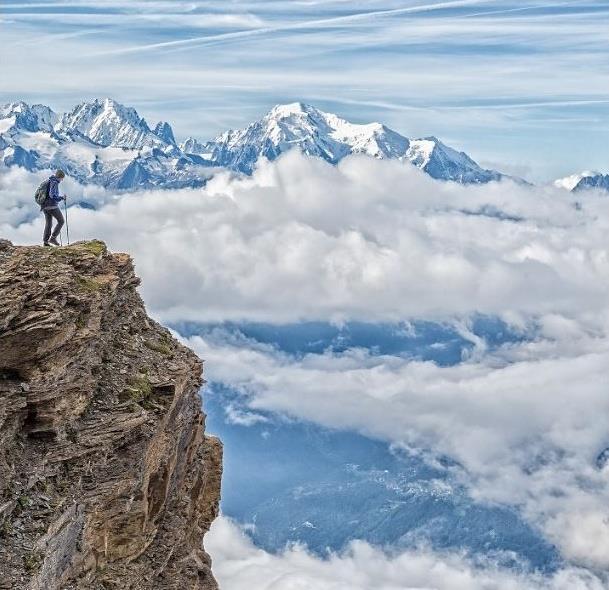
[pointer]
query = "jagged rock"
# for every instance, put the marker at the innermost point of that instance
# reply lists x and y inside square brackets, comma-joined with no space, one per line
[107,478]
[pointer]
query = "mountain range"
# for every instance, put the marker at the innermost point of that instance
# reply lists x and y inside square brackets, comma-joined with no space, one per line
[106,143]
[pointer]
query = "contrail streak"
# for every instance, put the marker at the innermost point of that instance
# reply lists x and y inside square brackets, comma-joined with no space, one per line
[209,39]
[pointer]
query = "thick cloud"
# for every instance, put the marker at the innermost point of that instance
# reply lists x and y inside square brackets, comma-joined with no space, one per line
[368,240]
[526,423]
[239,565]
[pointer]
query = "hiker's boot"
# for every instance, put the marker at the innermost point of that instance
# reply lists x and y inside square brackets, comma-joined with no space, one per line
[46,244]
[54,241]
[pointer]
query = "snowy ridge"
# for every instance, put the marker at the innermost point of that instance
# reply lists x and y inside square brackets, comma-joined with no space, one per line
[584,181]
[108,123]
[37,117]
[326,135]
[165,132]
[99,142]
[570,182]
[106,143]
[595,181]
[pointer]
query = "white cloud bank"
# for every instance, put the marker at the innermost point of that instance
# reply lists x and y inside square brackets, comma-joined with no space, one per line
[239,565]
[526,423]
[365,240]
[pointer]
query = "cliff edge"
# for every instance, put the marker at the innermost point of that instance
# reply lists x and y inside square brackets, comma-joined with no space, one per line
[107,478]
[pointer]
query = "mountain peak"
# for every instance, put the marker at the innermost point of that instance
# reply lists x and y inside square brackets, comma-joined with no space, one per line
[594,180]
[192,146]
[108,107]
[165,132]
[13,107]
[109,123]
[289,109]
[570,182]
[27,117]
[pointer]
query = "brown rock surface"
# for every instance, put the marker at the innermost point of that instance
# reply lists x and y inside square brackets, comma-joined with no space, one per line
[107,479]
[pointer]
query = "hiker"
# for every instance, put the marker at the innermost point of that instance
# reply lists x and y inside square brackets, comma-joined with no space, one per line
[50,208]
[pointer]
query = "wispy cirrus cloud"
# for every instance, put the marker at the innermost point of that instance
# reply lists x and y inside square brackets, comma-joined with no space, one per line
[502,79]
[306,25]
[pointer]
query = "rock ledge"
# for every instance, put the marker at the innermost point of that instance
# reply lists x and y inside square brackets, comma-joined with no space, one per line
[107,478]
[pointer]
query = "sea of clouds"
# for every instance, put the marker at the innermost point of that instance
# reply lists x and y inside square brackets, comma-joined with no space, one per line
[382,242]
[240,565]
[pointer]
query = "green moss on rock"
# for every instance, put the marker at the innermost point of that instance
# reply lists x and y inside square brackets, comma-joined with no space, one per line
[87,284]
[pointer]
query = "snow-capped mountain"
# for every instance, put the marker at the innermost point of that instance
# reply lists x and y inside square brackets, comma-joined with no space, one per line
[594,181]
[165,132]
[325,135]
[570,182]
[106,143]
[584,181]
[445,163]
[100,142]
[300,126]
[193,146]
[108,123]
[19,115]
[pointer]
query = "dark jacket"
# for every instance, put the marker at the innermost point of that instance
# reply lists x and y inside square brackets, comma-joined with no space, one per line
[53,199]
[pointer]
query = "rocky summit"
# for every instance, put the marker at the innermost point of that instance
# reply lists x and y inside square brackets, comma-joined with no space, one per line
[107,478]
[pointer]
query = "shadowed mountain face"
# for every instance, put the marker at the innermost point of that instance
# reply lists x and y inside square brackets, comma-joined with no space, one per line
[583,181]
[106,143]
[595,181]
[295,481]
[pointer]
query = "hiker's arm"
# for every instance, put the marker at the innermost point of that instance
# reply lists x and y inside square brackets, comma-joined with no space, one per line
[54,192]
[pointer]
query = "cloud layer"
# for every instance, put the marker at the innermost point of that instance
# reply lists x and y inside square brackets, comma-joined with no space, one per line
[526,423]
[239,565]
[365,240]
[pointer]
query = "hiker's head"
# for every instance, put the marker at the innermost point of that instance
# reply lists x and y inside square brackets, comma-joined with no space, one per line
[60,174]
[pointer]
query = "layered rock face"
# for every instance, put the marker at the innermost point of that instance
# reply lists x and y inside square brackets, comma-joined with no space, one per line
[107,478]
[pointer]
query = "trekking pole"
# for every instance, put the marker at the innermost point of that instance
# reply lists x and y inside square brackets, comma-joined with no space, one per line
[65,206]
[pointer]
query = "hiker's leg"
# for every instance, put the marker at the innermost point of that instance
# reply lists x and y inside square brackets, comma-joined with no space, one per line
[56,213]
[48,221]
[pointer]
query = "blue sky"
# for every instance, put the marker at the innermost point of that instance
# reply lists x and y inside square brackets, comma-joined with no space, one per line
[521,85]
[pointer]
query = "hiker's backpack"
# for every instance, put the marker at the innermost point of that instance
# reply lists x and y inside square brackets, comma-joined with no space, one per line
[42,192]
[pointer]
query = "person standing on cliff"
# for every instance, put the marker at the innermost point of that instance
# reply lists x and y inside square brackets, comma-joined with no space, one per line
[51,210]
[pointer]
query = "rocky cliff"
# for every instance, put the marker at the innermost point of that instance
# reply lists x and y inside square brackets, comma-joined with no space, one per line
[107,478]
